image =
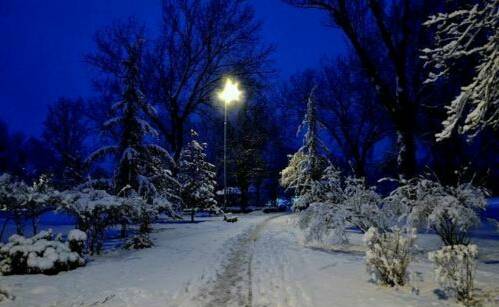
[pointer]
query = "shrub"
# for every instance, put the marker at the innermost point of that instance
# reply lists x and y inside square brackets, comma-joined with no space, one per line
[451,211]
[455,270]
[362,206]
[38,254]
[323,224]
[25,201]
[351,203]
[76,241]
[388,255]
[95,210]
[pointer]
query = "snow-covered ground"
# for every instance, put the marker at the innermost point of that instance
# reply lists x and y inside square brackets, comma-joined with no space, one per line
[258,261]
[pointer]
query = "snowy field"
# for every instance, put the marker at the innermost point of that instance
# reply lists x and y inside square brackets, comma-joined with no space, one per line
[258,261]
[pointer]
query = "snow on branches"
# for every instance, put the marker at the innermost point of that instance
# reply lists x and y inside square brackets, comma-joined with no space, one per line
[197,176]
[38,254]
[348,202]
[465,33]
[451,211]
[25,201]
[389,254]
[306,166]
[96,210]
[143,166]
[455,270]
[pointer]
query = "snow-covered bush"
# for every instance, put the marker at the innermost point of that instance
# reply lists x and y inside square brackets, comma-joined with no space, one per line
[38,254]
[76,241]
[323,223]
[455,270]
[95,210]
[139,241]
[25,201]
[389,254]
[451,211]
[362,206]
[345,203]
[314,193]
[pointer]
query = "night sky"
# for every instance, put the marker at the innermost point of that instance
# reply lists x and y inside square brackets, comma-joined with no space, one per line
[43,42]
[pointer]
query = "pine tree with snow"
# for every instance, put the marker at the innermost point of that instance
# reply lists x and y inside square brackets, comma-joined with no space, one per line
[470,33]
[197,177]
[306,167]
[141,164]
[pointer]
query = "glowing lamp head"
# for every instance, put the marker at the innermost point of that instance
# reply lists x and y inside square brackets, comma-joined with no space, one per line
[230,92]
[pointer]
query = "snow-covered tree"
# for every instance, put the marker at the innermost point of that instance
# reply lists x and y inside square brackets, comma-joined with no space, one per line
[307,165]
[468,33]
[450,211]
[197,177]
[143,167]
[137,164]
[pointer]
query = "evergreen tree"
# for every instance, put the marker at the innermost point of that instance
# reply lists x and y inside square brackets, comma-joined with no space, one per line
[143,166]
[197,177]
[307,165]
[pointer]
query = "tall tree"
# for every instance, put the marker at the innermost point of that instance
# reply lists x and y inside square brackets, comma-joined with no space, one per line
[306,167]
[385,36]
[141,162]
[65,131]
[247,141]
[200,42]
[350,112]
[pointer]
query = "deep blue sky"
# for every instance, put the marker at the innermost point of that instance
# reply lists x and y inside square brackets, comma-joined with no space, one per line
[43,41]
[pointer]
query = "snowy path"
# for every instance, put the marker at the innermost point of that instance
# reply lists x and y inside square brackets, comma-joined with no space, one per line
[234,284]
[268,266]
[258,261]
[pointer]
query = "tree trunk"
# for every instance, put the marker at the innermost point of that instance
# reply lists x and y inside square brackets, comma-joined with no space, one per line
[178,137]
[123,231]
[406,142]
[4,226]
[244,198]
[407,154]
[34,225]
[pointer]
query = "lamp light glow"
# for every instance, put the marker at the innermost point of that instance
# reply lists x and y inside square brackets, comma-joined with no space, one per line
[230,92]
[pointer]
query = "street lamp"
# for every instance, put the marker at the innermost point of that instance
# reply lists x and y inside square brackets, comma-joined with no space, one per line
[230,93]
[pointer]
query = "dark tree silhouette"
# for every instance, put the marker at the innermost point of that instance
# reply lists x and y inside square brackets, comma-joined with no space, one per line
[386,37]
[65,132]
[200,42]
[142,165]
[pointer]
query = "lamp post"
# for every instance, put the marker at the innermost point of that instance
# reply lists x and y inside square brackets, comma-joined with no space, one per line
[230,93]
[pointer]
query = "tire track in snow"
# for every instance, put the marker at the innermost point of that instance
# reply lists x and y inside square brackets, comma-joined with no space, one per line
[233,284]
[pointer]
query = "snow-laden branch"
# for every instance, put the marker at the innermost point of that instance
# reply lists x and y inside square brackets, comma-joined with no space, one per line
[463,34]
